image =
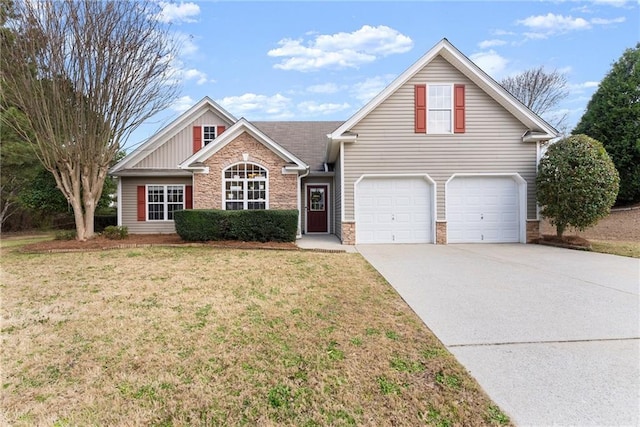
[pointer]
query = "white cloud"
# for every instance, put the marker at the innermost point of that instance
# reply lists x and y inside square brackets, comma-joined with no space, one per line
[182,104]
[177,12]
[276,106]
[366,90]
[614,3]
[186,44]
[324,88]
[602,21]
[545,26]
[195,74]
[314,108]
[485,44]
[340,50]
[491,63]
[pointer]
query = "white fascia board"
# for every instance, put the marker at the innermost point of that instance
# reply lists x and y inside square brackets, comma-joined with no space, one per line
[166,133]
[333,146]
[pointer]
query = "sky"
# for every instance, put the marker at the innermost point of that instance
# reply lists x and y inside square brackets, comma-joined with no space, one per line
[303,60]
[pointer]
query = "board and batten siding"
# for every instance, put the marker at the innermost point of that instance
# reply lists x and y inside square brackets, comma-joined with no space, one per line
[492,142]
[130,207]
[179,146]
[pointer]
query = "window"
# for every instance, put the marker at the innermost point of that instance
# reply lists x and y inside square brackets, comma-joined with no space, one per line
[163,201]
[439,109]
[208,134]
[245,187]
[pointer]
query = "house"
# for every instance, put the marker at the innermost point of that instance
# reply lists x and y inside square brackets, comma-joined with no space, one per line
[442,155]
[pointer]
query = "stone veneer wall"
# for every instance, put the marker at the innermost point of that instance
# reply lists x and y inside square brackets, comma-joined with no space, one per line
[533,230]
[282,188]
[348,233]
[441,232]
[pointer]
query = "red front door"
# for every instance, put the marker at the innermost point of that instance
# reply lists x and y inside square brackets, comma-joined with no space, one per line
[317,209]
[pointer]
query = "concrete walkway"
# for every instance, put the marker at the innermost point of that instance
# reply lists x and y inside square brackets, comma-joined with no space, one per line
[552,335]
[327,242]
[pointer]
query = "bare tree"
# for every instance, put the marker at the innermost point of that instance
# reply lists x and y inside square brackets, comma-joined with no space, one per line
[86,73]
[541,91]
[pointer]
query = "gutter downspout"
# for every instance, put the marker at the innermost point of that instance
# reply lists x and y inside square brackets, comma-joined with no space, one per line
[307,172]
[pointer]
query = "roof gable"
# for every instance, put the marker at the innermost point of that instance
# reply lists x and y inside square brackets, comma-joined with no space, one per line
[463,64]
[242,125]
[164,135]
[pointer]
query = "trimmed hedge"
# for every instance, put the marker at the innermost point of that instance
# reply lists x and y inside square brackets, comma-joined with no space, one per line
[198,225]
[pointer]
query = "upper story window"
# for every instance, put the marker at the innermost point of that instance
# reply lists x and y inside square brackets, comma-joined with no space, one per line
[163,201]
[439,109]
[245,187]
[208,134]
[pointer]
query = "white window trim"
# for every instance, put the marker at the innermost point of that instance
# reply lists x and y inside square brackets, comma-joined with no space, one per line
[215,134]
[451,109]
[245,187]
[165,203]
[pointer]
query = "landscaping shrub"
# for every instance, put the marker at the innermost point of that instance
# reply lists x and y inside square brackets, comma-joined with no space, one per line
[65,235]
[100,222]
[250,225]
[114,232]
[577,183]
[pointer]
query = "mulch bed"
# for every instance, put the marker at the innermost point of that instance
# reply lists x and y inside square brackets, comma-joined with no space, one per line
[145,240]
[569,242]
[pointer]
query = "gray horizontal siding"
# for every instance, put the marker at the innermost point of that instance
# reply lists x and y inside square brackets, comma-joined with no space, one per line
[337,197]
[129,205]
[179,147]
[387,143]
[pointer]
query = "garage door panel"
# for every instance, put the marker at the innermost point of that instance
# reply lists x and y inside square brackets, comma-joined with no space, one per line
[399,213]
[482,209]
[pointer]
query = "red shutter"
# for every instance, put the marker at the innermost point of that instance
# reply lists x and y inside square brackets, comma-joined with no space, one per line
[458,102]
[219,130]
[197,138]
[188,197]
[142,203]
[420,99]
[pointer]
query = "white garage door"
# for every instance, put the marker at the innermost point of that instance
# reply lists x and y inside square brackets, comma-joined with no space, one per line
[483,209]
[393,210]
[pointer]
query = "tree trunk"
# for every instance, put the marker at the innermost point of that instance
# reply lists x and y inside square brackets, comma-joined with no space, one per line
[560,230]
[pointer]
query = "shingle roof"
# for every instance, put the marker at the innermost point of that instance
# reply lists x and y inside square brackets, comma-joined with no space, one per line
[307,140]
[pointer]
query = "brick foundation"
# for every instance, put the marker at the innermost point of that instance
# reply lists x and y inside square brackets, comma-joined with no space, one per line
[533,230]
[348,233]
[441,232]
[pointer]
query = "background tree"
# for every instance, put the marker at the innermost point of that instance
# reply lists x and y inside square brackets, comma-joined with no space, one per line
[86,74]
[18,164]
[540,91]
[577,183]
[613,117]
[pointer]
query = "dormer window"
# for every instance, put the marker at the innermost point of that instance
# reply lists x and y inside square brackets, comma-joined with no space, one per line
[208,134]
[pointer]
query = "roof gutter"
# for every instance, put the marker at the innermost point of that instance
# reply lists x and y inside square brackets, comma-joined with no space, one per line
[532,136]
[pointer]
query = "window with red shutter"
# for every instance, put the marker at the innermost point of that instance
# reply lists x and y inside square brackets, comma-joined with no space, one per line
[459,109]
[142,203]
[420,107]
[197,138]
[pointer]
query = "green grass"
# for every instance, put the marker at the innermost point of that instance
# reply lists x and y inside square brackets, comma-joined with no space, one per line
[17,241]
[628,249]
[201,336]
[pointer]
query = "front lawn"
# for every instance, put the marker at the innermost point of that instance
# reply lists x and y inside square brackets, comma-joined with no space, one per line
[201,336]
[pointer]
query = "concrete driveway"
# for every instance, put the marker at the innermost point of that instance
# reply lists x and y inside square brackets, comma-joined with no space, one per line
[552,335]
